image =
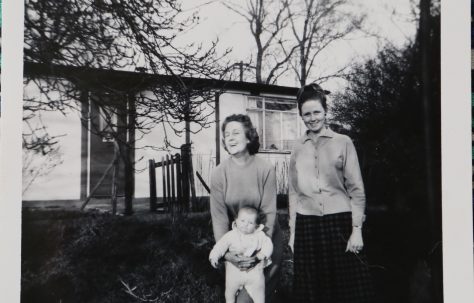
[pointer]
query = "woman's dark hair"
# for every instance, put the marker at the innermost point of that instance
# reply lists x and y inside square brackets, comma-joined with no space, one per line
[250,131]
[311,92]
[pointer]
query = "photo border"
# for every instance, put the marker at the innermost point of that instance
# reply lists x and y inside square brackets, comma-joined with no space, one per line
[456,151]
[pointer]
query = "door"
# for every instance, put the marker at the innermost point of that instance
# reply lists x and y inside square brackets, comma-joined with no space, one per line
[107,127]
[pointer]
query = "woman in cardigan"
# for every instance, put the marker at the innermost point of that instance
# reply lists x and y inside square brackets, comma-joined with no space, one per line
[327,206]
[245,180]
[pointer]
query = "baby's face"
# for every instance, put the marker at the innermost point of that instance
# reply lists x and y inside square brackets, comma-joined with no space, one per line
[246,223]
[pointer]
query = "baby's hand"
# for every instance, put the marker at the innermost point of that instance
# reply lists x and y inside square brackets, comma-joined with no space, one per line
[214,262]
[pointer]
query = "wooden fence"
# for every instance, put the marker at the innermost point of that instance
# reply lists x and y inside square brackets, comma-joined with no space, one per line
[178,188]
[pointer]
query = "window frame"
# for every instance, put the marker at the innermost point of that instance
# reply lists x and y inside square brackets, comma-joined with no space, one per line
[263,110]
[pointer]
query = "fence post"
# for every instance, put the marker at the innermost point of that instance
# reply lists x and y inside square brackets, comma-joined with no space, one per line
[191,181]
[168,184]
[163,171]
[152,174]
[172,207]
[185,176]
[179,183]
[187,159]
[115,172]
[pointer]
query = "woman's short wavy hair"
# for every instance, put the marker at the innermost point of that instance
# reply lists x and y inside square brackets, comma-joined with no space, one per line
[250,131]
[312,92]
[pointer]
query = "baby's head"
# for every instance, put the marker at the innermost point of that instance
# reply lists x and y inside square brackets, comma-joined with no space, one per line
[247,220]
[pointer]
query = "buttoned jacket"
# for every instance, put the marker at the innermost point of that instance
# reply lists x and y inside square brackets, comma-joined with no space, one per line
[325,177]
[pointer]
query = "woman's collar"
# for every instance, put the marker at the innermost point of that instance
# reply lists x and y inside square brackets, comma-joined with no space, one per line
[325,132]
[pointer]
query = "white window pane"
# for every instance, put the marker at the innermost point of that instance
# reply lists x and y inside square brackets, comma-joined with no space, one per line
[107,119]
[272,131]
[107,123]
[254,102]
[289,128]
[280,106]
[257,120]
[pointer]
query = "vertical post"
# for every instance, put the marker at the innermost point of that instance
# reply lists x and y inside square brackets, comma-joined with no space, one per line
[218,131]
[191,180]
[168,185]
[115,171]
[179,183]
[152,180]
[187,159]
[241,65]
[185,176]
[85,114]
[115,178]
[173,184]
[432,180]
[187,119]
[130,154]
[163,171]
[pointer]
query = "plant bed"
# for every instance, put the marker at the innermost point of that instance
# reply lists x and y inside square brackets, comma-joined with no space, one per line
[96,257]
[72,256]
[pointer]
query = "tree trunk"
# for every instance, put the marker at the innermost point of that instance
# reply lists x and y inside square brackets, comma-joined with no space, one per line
[190,166]
[129,157]
[258,66]
[429,123]
[303,62]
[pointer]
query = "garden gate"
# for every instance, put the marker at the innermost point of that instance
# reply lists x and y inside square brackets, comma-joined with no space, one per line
[178,188]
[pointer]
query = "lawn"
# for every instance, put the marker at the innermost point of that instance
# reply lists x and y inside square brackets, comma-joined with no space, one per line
[72,256]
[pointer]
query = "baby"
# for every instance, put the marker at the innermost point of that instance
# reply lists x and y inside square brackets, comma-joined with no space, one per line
[246,239]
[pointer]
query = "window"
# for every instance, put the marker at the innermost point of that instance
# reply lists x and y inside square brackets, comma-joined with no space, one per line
[276,121]
[107,123]
[106,111]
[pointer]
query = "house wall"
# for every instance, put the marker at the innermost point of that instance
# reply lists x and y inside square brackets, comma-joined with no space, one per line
[63,180]
[204,150]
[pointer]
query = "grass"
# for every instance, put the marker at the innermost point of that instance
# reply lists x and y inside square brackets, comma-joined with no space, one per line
[96,257]
[69,256]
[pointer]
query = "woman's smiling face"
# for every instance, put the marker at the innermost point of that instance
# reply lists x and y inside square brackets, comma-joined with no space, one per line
[235,139]
[314,115]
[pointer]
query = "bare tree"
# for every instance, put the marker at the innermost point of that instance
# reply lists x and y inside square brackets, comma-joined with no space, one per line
[127,35]
[315,25]
[120,35]
[293,34]
[267,21]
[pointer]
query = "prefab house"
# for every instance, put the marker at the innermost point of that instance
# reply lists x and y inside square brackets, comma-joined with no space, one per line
[85,147]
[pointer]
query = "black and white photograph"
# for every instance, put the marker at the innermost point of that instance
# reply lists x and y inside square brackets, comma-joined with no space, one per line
[232,151]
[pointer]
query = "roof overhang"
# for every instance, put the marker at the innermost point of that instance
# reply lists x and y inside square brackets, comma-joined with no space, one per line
[136,81]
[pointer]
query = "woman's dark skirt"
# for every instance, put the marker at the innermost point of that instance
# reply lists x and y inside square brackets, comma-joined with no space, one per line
[323,271]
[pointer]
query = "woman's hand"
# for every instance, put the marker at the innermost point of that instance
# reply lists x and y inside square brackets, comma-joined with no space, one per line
[214,262]
[355,243]
[291,243]
[241,262]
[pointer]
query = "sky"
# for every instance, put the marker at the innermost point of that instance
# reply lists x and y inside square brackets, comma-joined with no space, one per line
[391,19]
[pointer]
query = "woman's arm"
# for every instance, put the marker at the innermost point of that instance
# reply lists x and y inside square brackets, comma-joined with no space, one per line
[354,184]
[239,261]
[268,204]
[292,199]
[219,216]
[355,189]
